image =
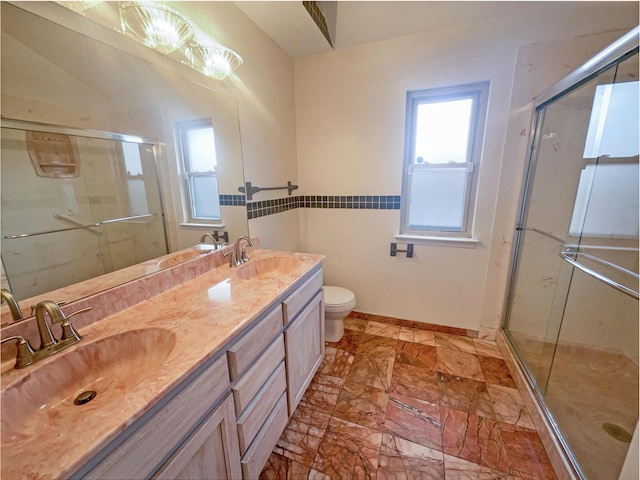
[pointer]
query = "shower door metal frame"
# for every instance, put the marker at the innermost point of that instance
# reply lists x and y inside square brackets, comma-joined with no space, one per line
[615,53]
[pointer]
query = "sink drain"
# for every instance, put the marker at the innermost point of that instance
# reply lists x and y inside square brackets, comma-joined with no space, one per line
[617,432]
[85,397]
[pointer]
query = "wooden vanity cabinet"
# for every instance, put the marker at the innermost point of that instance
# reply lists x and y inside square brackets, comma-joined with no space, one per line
[226,420]
[303,337]
[210,452]
[187,423]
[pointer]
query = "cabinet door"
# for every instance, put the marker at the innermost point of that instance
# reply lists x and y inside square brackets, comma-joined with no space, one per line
[210,452]
[304,345]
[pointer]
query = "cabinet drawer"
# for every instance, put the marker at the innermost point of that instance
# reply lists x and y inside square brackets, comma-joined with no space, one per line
[251,382]
[256,413]
[295,302]
[256,457]
[242,354]
[139,455]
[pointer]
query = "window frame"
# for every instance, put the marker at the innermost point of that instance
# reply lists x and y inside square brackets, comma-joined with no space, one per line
[186,173]
[479,93]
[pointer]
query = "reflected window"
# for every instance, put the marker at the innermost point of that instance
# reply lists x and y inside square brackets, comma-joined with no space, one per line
[199,167]
[442,152]
[136,188]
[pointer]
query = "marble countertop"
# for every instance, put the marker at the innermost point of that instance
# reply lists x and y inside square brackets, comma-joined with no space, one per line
[197,319]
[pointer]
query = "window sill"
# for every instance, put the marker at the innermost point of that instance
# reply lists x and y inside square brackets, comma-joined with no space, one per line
[460,242]
[202,225]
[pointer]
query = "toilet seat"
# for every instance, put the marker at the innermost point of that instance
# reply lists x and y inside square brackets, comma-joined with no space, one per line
[338,298]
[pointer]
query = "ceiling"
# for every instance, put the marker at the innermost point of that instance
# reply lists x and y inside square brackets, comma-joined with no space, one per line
[359,22]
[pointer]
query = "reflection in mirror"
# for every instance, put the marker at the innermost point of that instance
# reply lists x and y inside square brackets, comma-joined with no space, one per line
[75,207]
[105,82]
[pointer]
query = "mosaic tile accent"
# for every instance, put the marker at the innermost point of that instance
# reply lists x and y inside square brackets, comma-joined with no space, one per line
[376,202]
[263,208]
[270,207]
[233,200]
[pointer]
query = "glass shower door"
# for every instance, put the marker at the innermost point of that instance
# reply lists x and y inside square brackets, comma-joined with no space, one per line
[572,312]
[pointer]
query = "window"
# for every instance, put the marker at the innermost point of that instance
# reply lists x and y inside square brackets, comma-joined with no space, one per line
[199,168]
[444,131]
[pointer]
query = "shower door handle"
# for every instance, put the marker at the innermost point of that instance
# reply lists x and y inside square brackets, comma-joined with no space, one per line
[567,257]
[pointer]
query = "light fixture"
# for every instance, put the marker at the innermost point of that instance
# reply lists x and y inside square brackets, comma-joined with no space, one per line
[155,25]
[80,6]
[214,61]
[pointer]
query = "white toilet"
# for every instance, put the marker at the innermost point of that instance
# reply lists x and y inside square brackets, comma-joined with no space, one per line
[338,303]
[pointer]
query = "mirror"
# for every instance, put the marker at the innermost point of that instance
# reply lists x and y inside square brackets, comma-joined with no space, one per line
[105,82]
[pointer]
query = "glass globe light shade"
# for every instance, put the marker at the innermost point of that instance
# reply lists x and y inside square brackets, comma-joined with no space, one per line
[214,61]
[155,25]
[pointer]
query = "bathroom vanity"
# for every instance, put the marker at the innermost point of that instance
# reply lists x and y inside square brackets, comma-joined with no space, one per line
[197,381]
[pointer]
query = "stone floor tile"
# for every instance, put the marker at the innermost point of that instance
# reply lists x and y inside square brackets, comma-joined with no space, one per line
[361,404]
[455,342]
[383,330]
[336,362]
[400,458]
[464,394]
[303,435]
[509,407]
[323,392]
[458,363]
[495,371]
[416,354]
[348,451]
[358,324]
[414,420]
[349,341]
[412,335]
[497,445]
[414,382]
[487,348]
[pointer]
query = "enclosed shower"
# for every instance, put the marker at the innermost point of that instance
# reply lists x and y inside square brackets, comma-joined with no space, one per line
[75,204]
[572,308]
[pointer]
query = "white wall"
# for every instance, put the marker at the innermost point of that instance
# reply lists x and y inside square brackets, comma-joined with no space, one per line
[350,107]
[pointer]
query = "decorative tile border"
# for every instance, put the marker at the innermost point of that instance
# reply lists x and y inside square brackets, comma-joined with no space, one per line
[270,207]
[376,202]
[233,200]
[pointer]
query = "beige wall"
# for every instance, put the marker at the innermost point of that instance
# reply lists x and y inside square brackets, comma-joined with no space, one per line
[350,107]
[264,89]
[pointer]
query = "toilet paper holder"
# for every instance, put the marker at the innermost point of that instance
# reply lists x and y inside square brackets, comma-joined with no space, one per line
[409,250]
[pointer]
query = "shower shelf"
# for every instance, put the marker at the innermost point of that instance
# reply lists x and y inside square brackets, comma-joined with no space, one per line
[572,258]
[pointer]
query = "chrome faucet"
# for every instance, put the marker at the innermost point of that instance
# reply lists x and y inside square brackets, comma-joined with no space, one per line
[238,255]
[10,300]
[48,343]
[241,254]
[203,239]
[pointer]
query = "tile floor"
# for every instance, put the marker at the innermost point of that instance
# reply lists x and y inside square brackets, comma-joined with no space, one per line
[397,402]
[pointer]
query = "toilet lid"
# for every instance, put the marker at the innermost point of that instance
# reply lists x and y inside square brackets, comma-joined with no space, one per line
[337,296]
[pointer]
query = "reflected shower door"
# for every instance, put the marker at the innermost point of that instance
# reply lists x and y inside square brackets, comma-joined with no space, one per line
[52,185]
